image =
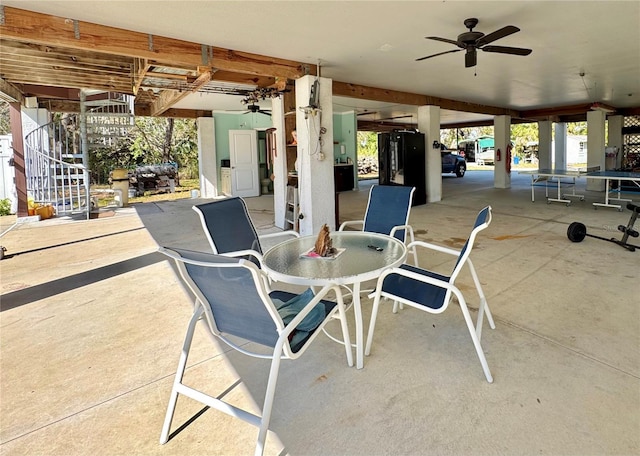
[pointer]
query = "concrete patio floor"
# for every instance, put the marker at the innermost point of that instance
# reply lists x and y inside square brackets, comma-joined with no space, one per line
[93,318]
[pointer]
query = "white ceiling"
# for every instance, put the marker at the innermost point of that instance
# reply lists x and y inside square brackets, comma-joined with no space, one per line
[375,43]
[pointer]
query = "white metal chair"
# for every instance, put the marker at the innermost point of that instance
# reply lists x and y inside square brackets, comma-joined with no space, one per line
[231,232]
[388,212]
[233,301]
[432,292]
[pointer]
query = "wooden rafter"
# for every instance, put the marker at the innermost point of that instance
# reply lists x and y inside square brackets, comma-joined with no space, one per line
[140,69]
[10,93]
[46,29]
[168,98]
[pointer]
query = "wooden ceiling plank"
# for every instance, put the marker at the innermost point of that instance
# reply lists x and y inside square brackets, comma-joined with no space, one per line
[53,30]
[10,68]
[63,62]
[31,50]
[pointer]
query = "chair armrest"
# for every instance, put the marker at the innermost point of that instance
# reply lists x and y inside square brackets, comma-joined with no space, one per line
[408,228]
[349,223]
[434,247]
[240,253]
[290,233]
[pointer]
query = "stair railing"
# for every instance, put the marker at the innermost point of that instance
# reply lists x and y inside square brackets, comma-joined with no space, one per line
[54,169]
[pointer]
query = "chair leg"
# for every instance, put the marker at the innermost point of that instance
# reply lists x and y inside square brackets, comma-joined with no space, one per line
[345,328]
[372,323]
[474,336]
[182,364]
[269,398]
[484,306]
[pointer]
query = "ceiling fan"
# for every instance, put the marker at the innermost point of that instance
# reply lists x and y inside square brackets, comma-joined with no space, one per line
[253,108]
[472,41]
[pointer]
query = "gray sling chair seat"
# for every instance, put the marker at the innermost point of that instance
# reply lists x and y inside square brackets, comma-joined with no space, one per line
[234,303]
[231,232]
[431,292]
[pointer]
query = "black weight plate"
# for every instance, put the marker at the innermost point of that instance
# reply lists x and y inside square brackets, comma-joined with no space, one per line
[576,232]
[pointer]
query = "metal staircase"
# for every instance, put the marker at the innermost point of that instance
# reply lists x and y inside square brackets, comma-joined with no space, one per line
[57,154]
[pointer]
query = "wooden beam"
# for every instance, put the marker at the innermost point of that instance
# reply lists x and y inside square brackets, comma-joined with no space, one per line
[10,93]
[51,92]
[140,69]
[168,98]
[550,113]
[40,28]
[175,113]
[346,89]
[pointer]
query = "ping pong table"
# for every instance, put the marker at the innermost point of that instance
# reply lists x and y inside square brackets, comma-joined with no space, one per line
[619,176]
[561,177]
[567,177]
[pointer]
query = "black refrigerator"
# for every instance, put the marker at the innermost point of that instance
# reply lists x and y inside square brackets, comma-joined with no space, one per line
[401,161]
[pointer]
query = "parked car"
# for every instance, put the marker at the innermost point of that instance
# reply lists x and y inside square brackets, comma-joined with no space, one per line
[452,162]
[486,157]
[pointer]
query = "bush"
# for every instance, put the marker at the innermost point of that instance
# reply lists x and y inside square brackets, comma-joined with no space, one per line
[5,206]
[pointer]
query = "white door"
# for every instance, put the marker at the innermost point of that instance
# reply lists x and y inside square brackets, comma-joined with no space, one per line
[243,154]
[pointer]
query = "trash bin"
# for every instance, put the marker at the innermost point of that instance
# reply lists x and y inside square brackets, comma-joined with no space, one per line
[120,181]
[516,160]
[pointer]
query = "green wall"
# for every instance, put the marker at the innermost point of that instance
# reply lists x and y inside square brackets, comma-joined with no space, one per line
[226,122]
[344,133]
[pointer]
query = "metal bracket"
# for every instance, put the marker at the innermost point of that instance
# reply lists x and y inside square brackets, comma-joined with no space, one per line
[206,53]
[76,29]
[150,40]
[1,14]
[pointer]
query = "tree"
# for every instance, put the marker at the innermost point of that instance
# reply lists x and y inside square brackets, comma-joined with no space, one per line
[5,125]
[367,144]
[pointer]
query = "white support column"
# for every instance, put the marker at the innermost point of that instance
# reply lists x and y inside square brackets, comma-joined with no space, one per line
[544,144]
[560,146]
[207,157]
[502,138]
[615,136]
[595,146]
[315,156]
[279,163]
[429,124]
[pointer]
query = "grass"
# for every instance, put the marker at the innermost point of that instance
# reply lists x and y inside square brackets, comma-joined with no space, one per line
[181,191]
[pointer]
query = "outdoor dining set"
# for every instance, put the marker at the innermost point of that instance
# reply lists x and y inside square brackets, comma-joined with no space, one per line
[237,297]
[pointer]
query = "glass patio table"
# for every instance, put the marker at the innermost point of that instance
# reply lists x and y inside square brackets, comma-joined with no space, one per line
[364,257]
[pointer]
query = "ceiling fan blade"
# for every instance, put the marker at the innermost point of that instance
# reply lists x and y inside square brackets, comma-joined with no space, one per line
[266,113]
[507,50]
[439,53]
[501,33]
[470,58]
[444,40]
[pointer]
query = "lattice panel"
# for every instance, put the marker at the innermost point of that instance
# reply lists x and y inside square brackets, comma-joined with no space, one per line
[631,143]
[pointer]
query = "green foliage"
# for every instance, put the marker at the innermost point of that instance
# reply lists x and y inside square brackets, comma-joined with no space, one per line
[5,126]
[367,144]
[154,140]
[5,206]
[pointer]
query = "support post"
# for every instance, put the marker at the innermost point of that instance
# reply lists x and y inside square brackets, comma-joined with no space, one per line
[429,124]
[15,119]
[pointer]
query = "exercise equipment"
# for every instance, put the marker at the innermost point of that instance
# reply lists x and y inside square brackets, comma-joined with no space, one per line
[578,231]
